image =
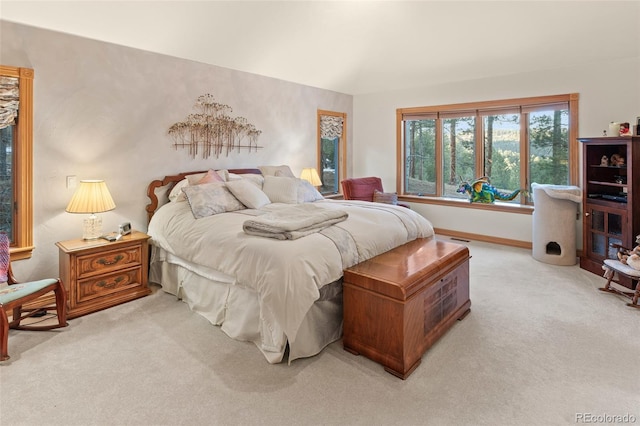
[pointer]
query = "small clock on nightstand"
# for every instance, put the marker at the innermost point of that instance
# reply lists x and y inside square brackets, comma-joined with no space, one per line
[99,274]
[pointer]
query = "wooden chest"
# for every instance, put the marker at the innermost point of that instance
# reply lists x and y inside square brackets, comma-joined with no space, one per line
[398,304]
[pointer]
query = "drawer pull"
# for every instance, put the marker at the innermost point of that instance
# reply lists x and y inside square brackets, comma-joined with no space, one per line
[115,282]
[115,260]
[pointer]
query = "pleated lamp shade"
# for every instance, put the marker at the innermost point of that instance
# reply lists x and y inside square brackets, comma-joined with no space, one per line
[310,174]
[91,197]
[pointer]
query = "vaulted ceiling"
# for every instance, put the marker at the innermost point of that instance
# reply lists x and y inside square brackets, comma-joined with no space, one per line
[356,47]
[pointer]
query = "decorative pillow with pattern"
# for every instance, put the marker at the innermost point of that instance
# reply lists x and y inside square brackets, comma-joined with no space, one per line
[210,198]
[248,193]
[385,197]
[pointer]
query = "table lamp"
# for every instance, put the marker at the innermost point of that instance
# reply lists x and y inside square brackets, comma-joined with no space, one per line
[310,174]
[91,197]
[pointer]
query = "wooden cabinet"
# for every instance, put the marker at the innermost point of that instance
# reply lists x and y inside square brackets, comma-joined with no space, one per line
[611,193]
[98,274]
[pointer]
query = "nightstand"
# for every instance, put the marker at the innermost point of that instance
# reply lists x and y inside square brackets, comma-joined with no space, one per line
[99,274]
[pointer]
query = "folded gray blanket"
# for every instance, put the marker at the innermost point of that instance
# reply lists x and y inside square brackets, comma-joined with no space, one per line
[293,222]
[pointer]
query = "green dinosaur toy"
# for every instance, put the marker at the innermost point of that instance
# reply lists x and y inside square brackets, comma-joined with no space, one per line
[481,191]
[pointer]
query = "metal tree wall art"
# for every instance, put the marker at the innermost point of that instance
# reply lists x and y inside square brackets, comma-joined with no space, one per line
[212,130]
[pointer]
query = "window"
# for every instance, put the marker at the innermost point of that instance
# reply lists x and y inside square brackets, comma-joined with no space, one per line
[16,140]
[513,142]
[332,128]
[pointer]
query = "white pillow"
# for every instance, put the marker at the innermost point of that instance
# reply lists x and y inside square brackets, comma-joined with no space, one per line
[281,189]
[281,171]
[307,192]
[248,193]
[208,199]
[256,179]
[176,193]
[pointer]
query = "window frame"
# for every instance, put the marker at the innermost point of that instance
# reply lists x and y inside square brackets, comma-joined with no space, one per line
[342,148]
[574,167]
[22,244]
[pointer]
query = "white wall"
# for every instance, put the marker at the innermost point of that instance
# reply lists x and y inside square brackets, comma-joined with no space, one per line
[608,92]
[102,111]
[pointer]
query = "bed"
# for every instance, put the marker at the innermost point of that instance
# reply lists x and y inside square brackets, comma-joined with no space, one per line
[283,292]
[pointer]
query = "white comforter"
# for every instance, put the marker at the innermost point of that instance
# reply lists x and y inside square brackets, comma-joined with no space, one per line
[286,273]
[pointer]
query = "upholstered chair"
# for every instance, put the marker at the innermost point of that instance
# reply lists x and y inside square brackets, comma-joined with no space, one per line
[14,295]
[368,189]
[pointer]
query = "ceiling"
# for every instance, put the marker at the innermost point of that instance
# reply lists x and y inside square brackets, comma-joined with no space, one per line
[355,47]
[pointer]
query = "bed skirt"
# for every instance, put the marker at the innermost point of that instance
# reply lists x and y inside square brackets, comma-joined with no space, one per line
[236,309]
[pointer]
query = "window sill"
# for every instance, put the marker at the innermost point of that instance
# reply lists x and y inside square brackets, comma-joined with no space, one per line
[20,253]
[453,202]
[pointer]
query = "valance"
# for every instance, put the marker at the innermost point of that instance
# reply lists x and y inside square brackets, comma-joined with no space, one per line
[9,101]
[330,126]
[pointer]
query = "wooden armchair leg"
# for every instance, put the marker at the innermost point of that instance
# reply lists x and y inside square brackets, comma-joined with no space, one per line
[4,335]
[634,299]
[16,316]
[61,305]
[609,274]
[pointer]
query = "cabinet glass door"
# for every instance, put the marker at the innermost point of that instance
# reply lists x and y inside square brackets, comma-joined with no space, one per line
[605,228]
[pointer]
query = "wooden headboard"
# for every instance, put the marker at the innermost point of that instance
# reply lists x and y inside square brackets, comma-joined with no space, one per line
[170,181]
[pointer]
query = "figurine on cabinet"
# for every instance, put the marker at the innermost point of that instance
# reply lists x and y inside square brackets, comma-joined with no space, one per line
[624,129]
[604,161]
[617,160]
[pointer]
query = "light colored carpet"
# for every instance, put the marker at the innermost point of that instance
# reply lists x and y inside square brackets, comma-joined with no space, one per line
[542,346]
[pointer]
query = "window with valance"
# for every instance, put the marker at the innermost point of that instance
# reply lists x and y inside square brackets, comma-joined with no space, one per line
[16,162]
[331,150]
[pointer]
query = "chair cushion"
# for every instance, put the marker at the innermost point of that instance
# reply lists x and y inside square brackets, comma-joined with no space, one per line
[18,291]
[620,267]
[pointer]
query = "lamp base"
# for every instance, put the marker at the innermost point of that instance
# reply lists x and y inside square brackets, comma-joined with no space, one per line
[92,228]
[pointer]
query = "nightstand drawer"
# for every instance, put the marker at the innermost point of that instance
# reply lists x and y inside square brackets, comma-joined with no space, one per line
[103,285]
[113,260]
